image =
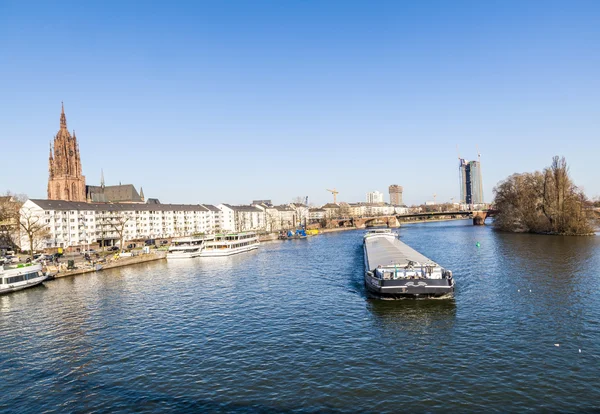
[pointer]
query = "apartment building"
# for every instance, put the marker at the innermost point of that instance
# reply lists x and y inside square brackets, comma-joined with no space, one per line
[71,223]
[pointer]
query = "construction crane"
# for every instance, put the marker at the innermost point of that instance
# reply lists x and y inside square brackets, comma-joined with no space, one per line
[335,193]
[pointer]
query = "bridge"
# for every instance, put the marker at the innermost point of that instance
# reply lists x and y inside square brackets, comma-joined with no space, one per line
[395,220]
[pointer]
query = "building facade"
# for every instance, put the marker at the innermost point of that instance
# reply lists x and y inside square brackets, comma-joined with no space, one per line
[316,214]
[242,218]
[302,214]
[65,179]
[74,224]
[396,195]
[374,197]
[471,184]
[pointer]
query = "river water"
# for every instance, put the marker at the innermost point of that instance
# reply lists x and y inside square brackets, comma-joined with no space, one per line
[289,327]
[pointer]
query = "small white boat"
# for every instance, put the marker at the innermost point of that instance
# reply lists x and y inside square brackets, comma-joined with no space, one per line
[21,276]
[187,247]
[228,244]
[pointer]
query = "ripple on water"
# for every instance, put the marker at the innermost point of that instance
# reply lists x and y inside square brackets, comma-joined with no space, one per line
[290,328]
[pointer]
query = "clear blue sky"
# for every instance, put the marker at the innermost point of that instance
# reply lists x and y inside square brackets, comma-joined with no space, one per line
[229,101]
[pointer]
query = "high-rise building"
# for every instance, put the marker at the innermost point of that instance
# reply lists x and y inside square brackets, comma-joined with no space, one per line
[396,195]
[375,197]
[471,185]
[65,181]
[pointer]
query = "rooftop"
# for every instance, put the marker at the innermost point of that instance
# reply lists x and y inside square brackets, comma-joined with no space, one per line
[61,205]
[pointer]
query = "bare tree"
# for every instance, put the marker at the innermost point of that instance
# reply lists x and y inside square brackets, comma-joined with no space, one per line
[118,224]
[9,218]
[542,202]
[34,227]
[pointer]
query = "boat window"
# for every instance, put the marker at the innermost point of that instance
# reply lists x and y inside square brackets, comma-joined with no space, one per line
[15,279]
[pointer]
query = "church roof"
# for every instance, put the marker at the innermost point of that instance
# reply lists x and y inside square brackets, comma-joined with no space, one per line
[113,193]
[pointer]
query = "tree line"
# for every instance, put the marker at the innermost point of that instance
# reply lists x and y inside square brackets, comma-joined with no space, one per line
[545,202]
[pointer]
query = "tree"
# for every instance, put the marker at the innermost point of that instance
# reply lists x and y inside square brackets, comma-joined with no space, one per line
[9,218]
[298,200]
[34,227]
[117,224]
[542,202]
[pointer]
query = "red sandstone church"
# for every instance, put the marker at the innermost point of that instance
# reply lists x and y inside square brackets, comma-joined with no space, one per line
[66,182]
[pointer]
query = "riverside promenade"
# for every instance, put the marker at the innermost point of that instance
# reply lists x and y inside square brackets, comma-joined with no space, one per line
[111,264]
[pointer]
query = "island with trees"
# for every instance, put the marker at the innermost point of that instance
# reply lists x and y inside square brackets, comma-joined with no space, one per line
[544,202]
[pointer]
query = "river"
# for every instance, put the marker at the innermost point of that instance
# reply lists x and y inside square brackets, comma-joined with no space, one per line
[289,327]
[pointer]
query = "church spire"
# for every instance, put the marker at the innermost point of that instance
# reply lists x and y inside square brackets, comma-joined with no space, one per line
[142,193]
[101,178]
[63,118]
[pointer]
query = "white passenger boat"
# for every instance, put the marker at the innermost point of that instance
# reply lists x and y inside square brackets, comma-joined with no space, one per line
[393,269]
[187,247]
[228,244]
[21,276]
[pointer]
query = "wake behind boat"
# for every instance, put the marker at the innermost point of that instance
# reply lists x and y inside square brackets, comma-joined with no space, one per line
[393,269]
[18,277]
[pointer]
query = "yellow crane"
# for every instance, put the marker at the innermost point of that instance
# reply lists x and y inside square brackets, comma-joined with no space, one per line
[335,193]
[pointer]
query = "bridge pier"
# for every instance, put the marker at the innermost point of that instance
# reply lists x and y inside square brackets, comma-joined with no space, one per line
[479,218]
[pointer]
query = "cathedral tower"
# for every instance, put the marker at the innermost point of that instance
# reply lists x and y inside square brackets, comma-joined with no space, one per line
[65,181]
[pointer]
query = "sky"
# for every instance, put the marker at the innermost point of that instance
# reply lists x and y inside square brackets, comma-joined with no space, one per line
[212,101]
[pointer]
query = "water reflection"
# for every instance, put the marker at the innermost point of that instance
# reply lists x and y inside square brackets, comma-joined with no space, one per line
[415,316]
[290,328]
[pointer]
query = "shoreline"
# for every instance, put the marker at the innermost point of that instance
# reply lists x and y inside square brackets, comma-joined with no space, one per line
[162,255]
[121,262]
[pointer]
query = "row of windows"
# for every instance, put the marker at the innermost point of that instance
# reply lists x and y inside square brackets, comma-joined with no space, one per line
[86,212]
[20,278]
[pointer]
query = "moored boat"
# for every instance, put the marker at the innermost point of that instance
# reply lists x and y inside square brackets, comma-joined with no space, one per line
[228,244]
[393,269]
[187,247]
[290,235]
[22,276]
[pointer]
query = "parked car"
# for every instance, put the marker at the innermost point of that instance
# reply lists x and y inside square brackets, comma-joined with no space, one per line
[164,242]
[113,248]
[12,259]
[131,246]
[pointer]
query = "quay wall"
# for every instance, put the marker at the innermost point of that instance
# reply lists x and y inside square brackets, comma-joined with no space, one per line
[123,261]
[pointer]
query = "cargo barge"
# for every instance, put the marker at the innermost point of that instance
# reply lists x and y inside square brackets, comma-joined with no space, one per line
[395,270]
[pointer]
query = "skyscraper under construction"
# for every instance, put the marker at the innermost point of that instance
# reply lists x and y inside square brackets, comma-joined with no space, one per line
[471,185]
